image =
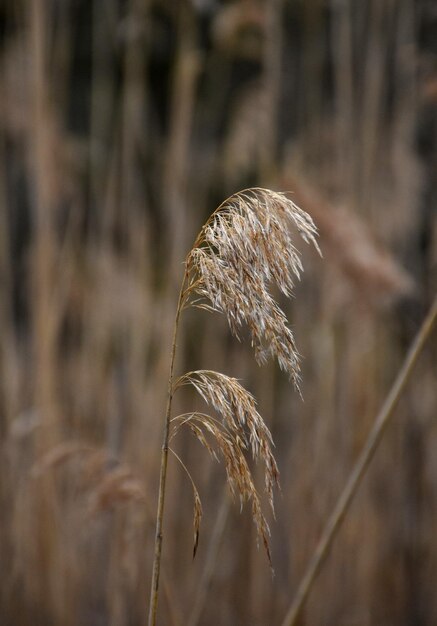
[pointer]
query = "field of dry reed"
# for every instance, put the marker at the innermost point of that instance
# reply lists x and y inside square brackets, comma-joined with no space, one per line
[123,125]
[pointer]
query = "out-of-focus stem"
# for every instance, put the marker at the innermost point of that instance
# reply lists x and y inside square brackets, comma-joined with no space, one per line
[359,469]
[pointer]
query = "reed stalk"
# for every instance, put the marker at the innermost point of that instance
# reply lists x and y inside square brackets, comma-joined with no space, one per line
[242,248]
[163,468]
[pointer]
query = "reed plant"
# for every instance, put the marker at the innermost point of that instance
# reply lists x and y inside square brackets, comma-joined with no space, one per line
[244,247]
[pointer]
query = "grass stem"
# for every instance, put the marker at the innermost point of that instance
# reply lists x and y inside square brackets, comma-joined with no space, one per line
[154,589]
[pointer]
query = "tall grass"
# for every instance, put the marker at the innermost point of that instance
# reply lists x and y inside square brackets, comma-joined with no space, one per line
[121,126]
[242,248]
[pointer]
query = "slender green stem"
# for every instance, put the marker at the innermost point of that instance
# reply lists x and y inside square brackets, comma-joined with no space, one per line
[351,487]
[163,471]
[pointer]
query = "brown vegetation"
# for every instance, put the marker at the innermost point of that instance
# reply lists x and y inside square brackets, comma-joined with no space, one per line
[122,126]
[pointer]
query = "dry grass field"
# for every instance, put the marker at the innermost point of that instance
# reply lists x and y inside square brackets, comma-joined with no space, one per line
[123,125]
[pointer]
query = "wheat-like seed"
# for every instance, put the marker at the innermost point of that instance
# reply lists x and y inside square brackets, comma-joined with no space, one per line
[244,247]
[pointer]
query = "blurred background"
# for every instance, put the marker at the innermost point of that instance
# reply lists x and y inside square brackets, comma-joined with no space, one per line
[123,124]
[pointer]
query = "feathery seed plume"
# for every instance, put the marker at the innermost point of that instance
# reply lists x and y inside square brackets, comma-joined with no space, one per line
[244,247]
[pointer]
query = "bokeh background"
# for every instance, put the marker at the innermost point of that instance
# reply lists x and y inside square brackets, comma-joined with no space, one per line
[123,124]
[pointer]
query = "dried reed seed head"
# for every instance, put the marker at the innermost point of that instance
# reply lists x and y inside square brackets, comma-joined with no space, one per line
[244,247]
[65,452]
[244,428]
[106,482]
[118,486]
[239,478]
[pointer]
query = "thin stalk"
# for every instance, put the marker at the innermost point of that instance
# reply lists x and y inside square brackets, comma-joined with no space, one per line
[351,487]
[163,471]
